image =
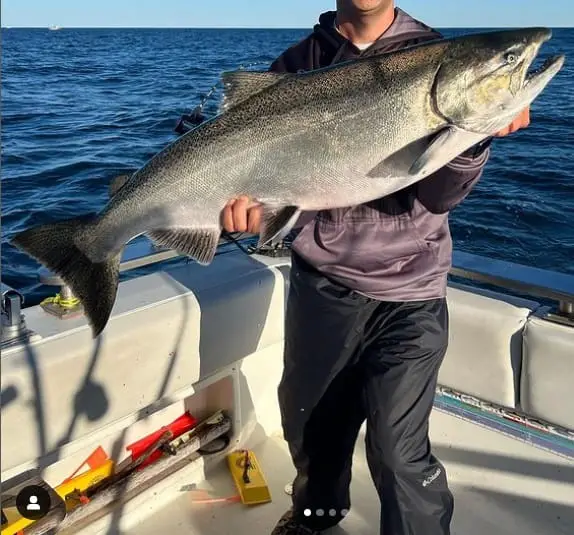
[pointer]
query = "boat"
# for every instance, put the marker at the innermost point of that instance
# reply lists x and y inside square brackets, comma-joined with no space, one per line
[55,28]
[202,347]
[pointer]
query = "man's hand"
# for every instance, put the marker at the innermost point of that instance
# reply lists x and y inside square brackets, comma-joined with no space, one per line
[522,121]
[241,215]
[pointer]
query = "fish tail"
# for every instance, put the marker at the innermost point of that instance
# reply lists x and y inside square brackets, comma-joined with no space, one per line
[95,283]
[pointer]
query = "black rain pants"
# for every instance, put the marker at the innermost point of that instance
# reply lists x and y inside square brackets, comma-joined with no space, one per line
[349,358]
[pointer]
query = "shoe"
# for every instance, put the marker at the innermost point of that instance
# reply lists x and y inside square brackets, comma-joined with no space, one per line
[287,525]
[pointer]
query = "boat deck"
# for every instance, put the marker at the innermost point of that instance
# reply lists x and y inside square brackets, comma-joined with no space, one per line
[195,340]
[501,487]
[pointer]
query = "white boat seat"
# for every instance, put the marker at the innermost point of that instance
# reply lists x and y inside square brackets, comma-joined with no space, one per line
[548,372]
[485,344]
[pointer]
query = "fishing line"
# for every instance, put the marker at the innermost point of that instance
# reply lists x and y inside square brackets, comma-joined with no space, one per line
[229,236]
[194,118]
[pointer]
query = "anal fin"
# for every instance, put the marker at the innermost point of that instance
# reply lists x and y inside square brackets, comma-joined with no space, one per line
[200,244]
[277,223]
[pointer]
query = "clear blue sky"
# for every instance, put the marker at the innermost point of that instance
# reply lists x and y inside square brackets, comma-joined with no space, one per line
[272,13]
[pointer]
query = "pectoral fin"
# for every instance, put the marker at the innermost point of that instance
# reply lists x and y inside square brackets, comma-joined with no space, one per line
[399,163]
[445,147]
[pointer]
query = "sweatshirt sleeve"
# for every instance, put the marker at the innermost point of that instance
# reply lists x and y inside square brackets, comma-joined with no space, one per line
[446,188]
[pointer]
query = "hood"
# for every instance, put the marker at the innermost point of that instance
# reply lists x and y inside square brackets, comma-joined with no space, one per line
[404,28]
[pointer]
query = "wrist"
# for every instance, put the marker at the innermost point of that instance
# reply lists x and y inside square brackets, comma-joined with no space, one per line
[479,149]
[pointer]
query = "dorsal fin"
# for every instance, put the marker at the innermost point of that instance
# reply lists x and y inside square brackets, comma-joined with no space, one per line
[240,85]
[117,183]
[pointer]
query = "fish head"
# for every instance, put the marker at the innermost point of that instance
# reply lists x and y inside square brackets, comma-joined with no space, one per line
[485,80]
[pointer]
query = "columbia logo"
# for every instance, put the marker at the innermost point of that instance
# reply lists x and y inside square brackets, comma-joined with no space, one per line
[431,478]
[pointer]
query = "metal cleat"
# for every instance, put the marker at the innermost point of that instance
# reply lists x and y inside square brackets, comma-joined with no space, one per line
[14,330]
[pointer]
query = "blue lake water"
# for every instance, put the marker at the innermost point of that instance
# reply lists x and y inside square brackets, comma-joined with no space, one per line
[80,106]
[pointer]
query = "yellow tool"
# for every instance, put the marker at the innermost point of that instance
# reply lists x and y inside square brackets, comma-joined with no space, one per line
[248,477]
[71,491]
[14,522]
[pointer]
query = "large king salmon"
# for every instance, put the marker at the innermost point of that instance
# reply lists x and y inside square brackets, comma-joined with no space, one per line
[334,137]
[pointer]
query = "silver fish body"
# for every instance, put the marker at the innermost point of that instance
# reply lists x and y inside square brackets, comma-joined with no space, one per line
[331,138]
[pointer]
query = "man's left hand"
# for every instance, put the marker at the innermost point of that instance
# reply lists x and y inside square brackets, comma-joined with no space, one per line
[522,121]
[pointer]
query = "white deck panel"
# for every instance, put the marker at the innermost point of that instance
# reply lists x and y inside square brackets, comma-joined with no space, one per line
[501,487]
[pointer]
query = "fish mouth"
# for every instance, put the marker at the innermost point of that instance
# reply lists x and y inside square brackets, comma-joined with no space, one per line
[534,76]
[548,69]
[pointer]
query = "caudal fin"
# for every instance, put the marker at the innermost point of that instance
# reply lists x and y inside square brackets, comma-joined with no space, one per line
[95,284]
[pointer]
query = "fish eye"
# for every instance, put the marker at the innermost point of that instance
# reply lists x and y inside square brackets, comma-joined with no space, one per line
[510,58]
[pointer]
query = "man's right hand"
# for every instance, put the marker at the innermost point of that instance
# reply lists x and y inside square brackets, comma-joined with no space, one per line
[241,215]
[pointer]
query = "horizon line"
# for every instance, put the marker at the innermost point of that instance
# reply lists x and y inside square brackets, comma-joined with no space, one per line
[235,27]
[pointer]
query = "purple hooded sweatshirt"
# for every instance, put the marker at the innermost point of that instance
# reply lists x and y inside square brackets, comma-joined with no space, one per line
[397,248]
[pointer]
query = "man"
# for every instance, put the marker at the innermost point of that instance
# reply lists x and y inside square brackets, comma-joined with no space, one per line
[367,320]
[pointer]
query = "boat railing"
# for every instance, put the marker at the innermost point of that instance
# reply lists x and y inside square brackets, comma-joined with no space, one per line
[554,287]
[557,289]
